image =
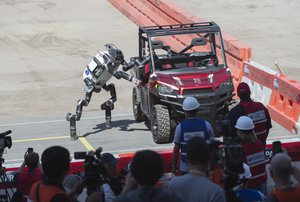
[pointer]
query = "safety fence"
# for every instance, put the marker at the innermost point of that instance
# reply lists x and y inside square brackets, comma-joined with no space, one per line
[280,94]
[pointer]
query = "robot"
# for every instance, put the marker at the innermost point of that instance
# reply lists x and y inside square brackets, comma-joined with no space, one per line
[95,76]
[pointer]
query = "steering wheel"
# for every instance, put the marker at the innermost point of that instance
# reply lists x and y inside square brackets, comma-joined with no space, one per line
[209,61]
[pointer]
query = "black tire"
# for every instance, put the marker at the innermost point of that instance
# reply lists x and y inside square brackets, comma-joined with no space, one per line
[160,124]
[136,106]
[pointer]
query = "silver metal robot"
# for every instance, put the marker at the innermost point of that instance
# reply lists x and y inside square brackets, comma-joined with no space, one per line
[103,66]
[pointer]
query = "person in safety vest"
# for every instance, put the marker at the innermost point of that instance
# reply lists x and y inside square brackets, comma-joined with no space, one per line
[56,165]
[253,153]
[187,129]
[281,170]
[255,110]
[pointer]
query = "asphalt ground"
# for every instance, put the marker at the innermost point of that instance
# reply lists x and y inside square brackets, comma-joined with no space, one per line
[44,47]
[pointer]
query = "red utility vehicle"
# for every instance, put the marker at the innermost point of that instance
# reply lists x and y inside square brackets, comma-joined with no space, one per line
[171,70]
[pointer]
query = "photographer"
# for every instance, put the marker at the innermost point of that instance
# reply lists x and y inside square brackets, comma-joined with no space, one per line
[56,165]
[26,179]
[253,153]
[110,164]
[100,175]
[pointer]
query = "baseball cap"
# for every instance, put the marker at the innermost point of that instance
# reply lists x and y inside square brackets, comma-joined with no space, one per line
[243,88]
[108,158]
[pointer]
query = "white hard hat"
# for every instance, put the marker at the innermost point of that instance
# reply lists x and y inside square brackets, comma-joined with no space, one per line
[190,103]
[247,173]
[244,123]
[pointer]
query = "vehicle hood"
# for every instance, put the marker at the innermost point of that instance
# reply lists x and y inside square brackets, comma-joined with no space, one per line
[208,79]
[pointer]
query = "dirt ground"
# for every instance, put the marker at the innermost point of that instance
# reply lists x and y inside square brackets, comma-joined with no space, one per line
[44,48]
[45,45]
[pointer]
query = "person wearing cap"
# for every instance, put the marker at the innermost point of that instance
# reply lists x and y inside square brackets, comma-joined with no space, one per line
[281,170]
[253,153]
[255,110]
[185,130]
[25,178]
[114,180]
[242,191]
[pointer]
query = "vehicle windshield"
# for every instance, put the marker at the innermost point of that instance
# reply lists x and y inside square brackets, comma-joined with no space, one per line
[195,51]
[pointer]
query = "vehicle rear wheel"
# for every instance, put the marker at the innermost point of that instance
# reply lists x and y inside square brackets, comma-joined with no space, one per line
[136,106]
[160,124]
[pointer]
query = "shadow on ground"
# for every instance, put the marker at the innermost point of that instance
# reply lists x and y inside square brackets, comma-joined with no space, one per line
[123,125]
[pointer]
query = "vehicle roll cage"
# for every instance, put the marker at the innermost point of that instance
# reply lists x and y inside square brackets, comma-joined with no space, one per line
[209,28]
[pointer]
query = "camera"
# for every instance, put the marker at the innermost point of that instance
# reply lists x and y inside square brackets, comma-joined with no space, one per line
[227,153]
[95,173]
[5,141]
[276,147]
[29,150]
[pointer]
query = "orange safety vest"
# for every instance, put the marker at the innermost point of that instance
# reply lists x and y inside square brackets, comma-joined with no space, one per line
[291,195]
[46,192]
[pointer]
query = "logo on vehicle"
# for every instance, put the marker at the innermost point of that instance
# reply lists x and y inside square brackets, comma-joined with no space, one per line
[178,80]
[197,80]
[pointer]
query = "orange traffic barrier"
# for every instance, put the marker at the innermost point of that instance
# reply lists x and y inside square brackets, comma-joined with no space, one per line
[282,95]
[284,103]
[231,44]
[161,12]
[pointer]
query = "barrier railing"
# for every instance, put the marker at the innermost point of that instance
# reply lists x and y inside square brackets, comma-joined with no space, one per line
[279,93]
[292,148]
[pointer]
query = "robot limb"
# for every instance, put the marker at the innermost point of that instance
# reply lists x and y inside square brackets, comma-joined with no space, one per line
[123,75]
[76,117]
[109,104]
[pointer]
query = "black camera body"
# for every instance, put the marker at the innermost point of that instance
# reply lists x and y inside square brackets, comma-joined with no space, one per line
[95,173]
[5,141]
[229,154]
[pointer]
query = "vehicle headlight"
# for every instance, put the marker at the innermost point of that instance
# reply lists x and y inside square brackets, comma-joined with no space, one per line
[226,83]
[163,89]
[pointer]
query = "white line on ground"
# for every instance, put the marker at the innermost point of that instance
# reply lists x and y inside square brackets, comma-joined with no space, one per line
[59,120]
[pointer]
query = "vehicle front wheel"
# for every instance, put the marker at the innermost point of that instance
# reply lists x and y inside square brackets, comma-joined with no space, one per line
[160,124]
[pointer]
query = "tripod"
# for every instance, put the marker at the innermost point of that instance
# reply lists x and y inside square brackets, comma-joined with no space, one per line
[7,186]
